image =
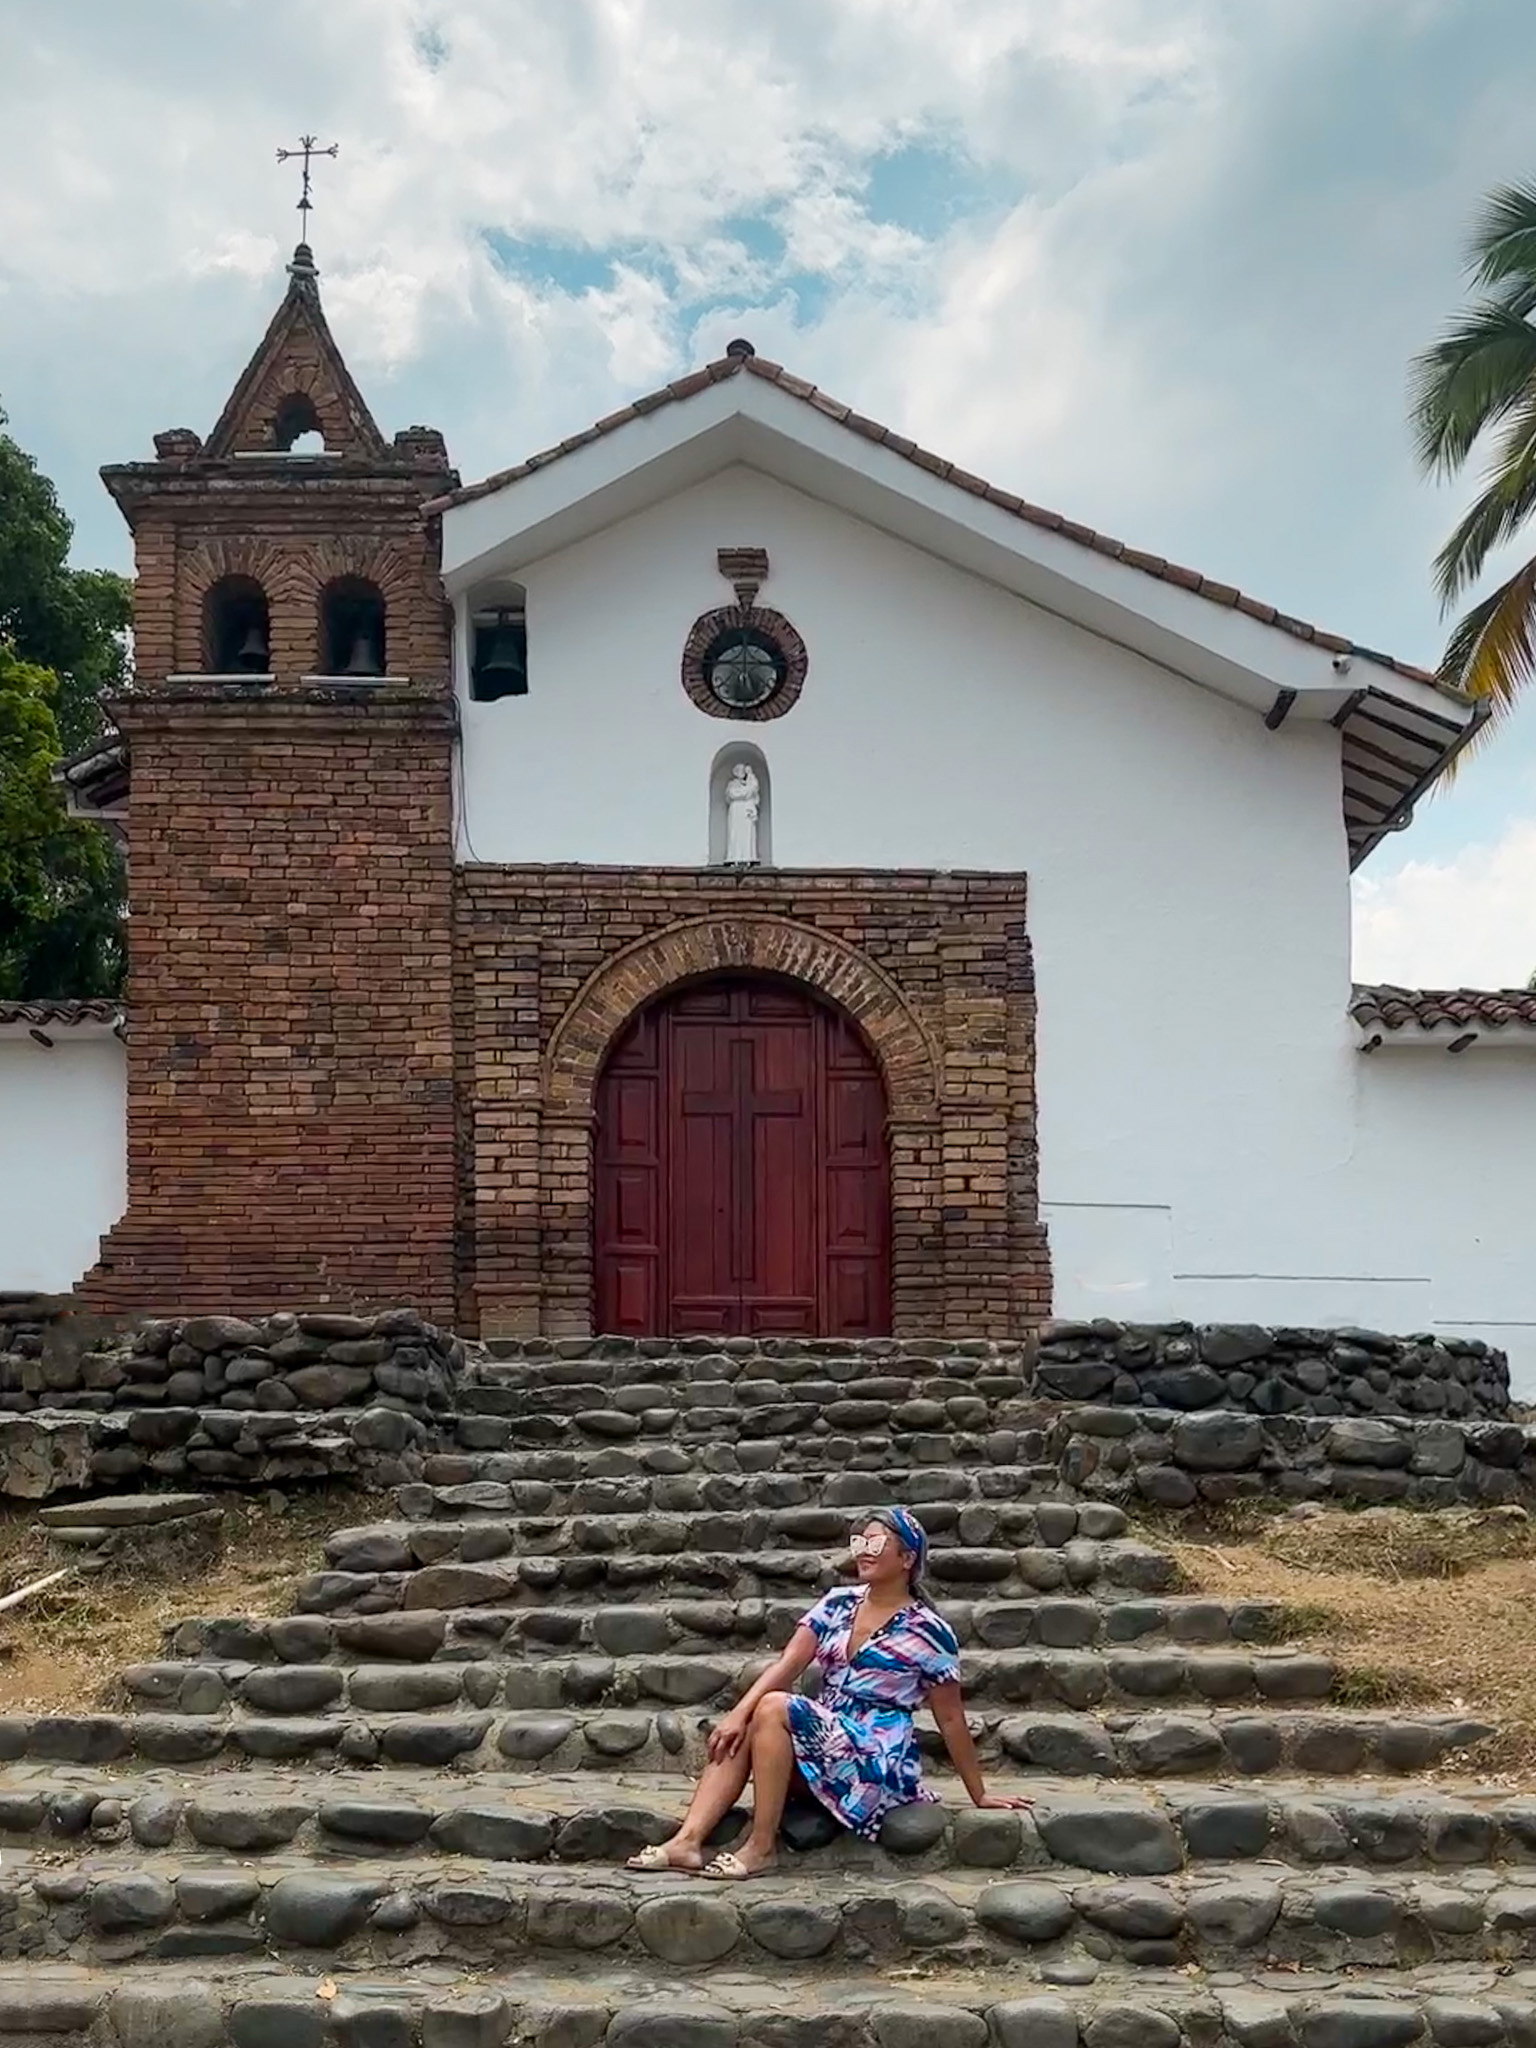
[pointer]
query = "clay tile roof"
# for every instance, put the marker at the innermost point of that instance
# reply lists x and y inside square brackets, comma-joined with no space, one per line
[1427,1009]
[61,1014]
[1223,594]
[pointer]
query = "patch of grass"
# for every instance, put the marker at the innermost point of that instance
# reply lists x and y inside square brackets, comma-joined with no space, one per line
[1429,1607]
[64,1647]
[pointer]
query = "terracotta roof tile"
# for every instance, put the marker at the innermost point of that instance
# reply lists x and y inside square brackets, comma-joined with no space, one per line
[1425,1009]
[61,1013]
[797,387]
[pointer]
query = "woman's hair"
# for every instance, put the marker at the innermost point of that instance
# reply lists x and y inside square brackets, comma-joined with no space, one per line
[913,1538]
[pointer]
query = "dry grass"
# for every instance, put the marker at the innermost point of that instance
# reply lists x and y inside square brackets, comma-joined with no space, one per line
[62,1649]
[1435,1610]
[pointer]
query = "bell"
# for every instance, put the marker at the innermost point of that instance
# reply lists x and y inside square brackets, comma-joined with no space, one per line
[251,657]
[363,661]
[501,660]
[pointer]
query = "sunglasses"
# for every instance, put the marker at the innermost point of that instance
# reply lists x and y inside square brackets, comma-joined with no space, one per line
[868,1546]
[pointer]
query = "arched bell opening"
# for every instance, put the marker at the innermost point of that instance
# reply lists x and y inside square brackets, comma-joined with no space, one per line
[352,628]
[296,428]
[498,649]
[237,628]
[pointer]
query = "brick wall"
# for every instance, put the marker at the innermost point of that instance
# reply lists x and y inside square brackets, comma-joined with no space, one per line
[936,970]
[290,1093]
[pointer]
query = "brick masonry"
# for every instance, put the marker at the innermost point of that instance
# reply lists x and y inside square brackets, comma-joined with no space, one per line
[936,971]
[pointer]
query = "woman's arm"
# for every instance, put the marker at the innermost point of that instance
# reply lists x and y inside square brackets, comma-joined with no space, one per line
[948,1706]
[728,1735]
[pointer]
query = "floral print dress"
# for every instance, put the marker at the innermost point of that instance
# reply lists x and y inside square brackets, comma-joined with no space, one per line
[856,1745]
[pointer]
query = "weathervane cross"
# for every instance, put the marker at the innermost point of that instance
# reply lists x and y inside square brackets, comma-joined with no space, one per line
[308,147]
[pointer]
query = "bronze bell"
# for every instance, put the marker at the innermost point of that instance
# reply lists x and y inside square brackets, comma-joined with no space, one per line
[252,655]
[363,660]
[501,659]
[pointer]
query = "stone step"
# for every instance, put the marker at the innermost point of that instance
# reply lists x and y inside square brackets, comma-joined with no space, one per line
[702,1628]
[367,1911]
[496,1579]
[402,1546]
[1075,2001]
[1174,1743]
[1133,1830]
[790,1436]
[760,1474]
[770,1504]
[1071,1678]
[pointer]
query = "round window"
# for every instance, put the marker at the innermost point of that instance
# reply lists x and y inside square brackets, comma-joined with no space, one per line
[744,670]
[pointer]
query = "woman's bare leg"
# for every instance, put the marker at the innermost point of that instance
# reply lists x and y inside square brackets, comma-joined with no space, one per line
[773,1769]
[720,1786]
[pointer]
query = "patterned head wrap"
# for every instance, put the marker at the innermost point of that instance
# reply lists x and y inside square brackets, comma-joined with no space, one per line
[913,1538]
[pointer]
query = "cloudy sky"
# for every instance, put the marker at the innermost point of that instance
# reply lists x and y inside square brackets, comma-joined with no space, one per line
[1160,263]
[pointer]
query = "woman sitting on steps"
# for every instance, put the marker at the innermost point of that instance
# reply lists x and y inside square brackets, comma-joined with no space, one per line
[882,1651]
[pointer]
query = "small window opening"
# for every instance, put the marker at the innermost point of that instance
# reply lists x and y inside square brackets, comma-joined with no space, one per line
[296,430]
[352,641]
[499,663]
[237,634]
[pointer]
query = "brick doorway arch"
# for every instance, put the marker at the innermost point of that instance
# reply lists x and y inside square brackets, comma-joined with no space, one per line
[741,1169]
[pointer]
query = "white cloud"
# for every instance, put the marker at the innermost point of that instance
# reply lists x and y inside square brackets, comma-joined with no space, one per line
[1468,922]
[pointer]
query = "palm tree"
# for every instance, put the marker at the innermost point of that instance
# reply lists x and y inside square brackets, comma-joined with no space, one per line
[1477,384]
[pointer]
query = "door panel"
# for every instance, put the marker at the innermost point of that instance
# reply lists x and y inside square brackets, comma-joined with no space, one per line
[742,1170]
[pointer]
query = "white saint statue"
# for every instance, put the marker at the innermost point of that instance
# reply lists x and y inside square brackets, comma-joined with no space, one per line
[741,809]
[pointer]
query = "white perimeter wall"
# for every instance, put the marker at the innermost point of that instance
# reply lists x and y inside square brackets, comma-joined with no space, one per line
[62,1156]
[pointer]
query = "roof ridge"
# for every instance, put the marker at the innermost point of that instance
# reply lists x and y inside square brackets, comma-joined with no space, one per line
[1227,595]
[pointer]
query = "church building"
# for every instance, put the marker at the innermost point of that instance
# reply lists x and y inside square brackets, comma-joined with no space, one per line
[738,873]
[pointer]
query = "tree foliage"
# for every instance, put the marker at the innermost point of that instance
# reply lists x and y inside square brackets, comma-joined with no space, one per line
[1475,389]
[63,645]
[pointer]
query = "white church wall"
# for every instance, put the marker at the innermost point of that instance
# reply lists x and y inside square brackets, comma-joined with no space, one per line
[1188,890]
[63,1156]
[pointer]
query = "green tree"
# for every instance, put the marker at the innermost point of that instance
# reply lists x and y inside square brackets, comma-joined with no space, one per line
[1475,388]
[61,880]
[63,644]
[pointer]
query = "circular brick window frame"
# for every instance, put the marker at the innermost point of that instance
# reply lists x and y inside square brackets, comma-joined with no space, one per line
[762,624]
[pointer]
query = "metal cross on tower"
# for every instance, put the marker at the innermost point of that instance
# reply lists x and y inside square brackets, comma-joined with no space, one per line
[308,148]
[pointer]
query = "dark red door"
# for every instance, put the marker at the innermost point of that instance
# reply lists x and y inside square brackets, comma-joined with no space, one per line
[742,1177]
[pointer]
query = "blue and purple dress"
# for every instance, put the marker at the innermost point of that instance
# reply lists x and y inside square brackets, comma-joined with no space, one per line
[856,1745]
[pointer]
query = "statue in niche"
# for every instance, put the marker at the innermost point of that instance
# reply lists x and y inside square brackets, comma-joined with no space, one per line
[742,804]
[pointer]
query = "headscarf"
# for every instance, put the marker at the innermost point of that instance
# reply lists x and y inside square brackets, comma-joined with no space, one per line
[913,1538]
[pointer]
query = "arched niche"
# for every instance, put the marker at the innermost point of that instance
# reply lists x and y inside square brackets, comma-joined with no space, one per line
[721,771]
[352,628]
[296,428]
[237,632]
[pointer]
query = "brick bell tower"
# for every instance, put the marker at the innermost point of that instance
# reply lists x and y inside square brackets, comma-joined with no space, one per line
[290,849]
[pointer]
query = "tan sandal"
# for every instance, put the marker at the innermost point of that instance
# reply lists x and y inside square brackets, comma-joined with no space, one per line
[653,1858]
[729,1869]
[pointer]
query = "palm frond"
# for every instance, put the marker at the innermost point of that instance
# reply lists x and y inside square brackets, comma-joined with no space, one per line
[1491,655]
[1503,243]
[1472,377]
[1497,514]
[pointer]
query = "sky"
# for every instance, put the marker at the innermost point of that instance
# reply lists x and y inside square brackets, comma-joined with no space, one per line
[1161,264]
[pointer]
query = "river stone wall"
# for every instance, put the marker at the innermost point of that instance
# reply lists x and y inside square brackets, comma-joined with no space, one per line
[1253,1370]
[51,1359]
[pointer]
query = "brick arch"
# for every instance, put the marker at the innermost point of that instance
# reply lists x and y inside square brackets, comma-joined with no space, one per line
[741,944]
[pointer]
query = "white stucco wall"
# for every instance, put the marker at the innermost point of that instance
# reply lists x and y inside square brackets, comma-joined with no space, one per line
[63,1179]
[1212,1144]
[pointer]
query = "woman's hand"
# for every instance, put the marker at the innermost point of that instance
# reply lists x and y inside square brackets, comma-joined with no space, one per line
[1002,1802]
[727,1736]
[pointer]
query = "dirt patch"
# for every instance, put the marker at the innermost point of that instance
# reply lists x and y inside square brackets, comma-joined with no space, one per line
[63,1648]
[1434,1610]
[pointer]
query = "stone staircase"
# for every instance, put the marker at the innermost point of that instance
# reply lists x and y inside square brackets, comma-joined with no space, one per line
[398,1814]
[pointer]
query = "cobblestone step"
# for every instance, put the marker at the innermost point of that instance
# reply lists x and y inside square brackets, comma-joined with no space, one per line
[699,1628]
[1075,1678]
[1076,2002]
[401,1546]
[1184,1743]
[374,1912]
[770,1504]
[1130,1830]
[867,1472]
[490,1576]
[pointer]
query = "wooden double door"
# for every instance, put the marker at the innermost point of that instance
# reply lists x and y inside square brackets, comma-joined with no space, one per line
[742,1170]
